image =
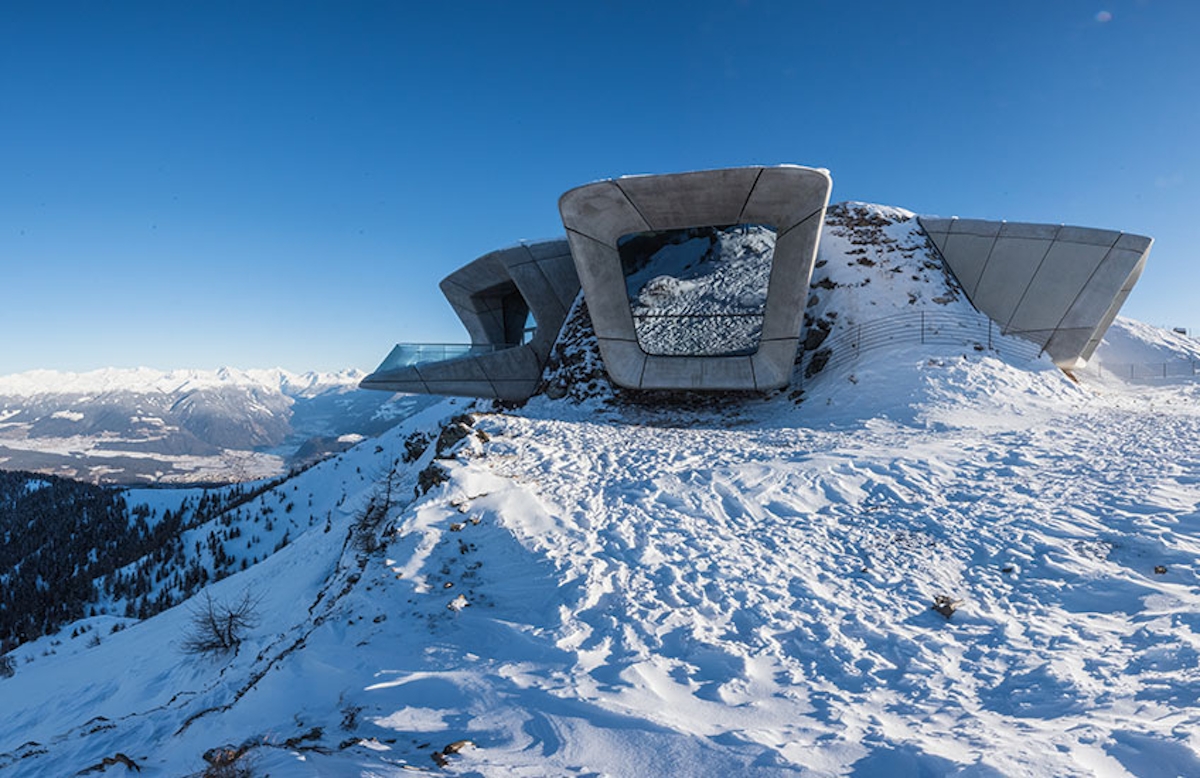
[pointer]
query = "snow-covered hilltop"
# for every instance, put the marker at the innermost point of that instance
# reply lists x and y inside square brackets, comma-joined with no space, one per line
[603,583]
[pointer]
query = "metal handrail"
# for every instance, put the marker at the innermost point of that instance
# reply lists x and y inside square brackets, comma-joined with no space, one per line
[1144,371]
[698,316]
[933,327]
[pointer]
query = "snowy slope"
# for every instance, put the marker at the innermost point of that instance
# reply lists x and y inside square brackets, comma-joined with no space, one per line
[733,585]
[1132,350]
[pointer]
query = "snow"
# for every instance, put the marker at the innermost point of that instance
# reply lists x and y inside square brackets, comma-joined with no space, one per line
[737,585]
[148,380]
[1132,350]
[181,468]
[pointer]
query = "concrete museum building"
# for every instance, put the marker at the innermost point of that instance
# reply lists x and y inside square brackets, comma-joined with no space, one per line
[1057,286]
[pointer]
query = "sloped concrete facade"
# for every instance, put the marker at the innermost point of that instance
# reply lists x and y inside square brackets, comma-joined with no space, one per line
[1056,285]
[492,297]
[790,199]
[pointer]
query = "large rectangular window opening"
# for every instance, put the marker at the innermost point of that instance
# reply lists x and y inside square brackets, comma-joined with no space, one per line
[699,291]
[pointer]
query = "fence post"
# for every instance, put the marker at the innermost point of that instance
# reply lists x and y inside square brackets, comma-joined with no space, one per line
[922,327]
[989,334]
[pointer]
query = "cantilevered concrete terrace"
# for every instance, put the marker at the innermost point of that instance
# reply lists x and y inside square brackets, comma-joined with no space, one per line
[1056,285]
[790,199]
[493,296]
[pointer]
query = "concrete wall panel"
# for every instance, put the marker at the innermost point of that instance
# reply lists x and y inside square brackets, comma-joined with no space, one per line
[1117,302]
[697,373]
[600,211]
[560,272]
[548,249]
[1060,279]
[624,360]
[1010,258]
[971,253]
[674,373]
[690,199]
[533,285]
[791,272]
[509,364]
[405,379]
[932,224]
[772,370]
[781,200]
[1027,230]
[466,369]
[599,268]
[1111,274]
[980,227]
[1091,237]
[729,374]
[1139,243]
[483,273]
[1068,340]
[1057,285]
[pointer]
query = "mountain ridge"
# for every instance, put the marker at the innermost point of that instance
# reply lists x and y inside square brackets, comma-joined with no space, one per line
[185,426]
[149,380]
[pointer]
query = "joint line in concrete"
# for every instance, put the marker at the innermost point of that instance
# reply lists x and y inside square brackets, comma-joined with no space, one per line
[742,212]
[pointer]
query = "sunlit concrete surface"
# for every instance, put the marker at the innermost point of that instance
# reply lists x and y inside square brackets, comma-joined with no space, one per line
[790,199]
[1056,285]
[493,296]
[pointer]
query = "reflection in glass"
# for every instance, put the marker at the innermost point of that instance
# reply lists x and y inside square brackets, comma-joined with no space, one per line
[698,291]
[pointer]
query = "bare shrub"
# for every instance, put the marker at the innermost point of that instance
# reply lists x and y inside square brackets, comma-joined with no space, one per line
[220,627]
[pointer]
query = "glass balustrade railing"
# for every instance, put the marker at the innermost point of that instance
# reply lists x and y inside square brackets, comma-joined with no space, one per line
[409,354]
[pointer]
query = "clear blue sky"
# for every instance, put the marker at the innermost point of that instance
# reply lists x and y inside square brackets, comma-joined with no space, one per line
[283,184]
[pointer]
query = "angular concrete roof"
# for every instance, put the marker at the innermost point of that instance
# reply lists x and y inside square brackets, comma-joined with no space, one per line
[1056,285]
[791,199]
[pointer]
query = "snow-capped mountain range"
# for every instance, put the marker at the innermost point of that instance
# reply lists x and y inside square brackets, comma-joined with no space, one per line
[184,426]
[937,558]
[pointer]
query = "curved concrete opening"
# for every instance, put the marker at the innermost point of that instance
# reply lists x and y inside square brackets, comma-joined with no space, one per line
[598,215]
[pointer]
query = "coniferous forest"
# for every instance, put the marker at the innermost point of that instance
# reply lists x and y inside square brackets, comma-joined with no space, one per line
[71,550]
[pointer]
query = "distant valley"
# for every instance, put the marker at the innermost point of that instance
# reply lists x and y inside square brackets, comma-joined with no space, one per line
[145,426]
